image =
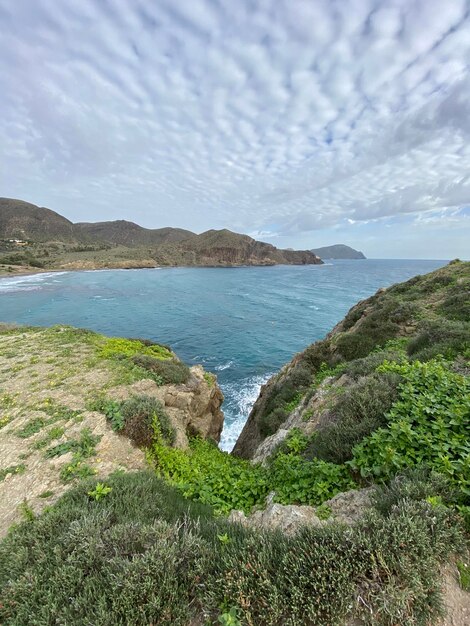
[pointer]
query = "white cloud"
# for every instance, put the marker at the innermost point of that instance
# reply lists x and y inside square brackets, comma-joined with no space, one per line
[236,114]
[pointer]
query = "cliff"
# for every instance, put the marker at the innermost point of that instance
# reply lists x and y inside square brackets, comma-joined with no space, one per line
[74,403]
[425,316]
[362,443]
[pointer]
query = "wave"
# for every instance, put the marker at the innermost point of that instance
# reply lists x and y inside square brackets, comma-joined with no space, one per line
[223,366]
[28,282]
[240,398]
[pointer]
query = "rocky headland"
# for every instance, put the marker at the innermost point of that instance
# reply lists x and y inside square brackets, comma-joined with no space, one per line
[35,238]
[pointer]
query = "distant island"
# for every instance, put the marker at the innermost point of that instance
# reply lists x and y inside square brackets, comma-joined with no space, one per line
[338,251]
[36,238]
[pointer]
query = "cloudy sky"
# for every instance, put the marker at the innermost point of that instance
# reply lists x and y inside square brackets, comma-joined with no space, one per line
[300,122]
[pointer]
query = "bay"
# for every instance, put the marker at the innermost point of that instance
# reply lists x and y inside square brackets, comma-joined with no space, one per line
[242,323]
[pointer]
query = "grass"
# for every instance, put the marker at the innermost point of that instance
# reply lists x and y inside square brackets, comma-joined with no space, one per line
[13,469]
[464,575]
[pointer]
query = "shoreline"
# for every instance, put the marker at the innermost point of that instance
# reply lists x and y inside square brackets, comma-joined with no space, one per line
[30,271]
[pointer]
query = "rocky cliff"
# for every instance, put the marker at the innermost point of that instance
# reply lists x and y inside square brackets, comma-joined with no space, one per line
[68,397]
[425,316]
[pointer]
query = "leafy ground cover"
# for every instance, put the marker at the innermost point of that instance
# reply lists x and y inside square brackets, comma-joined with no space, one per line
[132,550]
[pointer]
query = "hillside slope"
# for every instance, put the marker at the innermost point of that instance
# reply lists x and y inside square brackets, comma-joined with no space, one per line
[58,386]
[52,242]
[22,220]
[425,316]
[124,233]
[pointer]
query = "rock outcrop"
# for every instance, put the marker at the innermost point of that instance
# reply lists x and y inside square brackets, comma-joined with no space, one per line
[345,508]
[49,434]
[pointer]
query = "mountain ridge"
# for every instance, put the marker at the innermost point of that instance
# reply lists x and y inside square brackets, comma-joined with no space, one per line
[50,241]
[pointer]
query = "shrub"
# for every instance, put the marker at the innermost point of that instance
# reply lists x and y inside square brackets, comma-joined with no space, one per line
[269,424]
[168,371]
[376,328]
[284,397]
[457,306]
[118,347]
[296,480]
[137,556]
[359,411]
[427,425]
[139,414]
[446,337]
[416,484]
[211,476]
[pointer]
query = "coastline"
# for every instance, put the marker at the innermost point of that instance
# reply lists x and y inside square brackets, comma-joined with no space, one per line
[32,271]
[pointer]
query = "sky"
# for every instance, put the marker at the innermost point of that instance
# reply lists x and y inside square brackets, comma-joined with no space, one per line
[300,122]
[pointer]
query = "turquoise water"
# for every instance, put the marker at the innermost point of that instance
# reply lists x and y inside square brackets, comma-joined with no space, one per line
[240,323]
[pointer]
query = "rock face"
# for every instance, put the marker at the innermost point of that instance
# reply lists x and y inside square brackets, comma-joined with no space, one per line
[346,508]
[194,408]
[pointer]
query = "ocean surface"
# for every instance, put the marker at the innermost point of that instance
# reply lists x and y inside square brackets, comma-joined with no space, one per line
[242,324]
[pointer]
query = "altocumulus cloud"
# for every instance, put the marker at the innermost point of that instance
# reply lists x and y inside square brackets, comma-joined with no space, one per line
[302,114]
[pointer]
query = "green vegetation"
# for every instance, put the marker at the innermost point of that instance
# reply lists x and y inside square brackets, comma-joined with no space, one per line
[13,469]
[137,418]
[118,347]
[358,412]
[225,482]
[54,433]
[164,372]
[144,554]
[464,575]
[392,411]
[427,425]
[82,448]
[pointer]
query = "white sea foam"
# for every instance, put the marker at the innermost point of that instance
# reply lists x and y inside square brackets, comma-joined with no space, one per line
[223,366]
[243,395]
[29,282]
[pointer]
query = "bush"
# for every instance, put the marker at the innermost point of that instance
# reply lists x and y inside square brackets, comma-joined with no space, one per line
[415,484]
[145,555]
[269,424]
[140,415]
[457,306]
[446,337]
[358,412]
[211,476]
[298,481]
[168,371]
[376,328]
[284,397]
[427,425]
[118,347]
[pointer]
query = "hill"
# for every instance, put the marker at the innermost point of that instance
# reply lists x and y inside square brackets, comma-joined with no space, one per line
[338,251]
[22,220]
[124,233]
[50,241]
[226,248]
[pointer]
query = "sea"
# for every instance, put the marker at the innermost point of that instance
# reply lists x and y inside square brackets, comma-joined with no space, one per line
[240,323]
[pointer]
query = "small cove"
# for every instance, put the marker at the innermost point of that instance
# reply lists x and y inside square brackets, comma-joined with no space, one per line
[242,324]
